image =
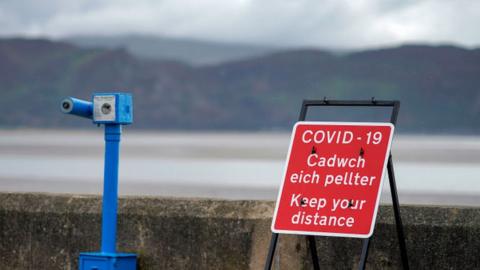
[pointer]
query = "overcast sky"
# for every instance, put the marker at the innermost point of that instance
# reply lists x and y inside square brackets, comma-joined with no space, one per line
[330,23]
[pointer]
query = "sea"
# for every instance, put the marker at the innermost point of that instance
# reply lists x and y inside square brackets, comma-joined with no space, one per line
[429,169]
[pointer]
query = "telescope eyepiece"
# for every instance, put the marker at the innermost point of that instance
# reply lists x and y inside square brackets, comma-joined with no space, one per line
[67,105]
[77,107]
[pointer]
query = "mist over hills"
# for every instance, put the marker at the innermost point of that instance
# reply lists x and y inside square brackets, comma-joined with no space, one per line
[437,85]
[190,51]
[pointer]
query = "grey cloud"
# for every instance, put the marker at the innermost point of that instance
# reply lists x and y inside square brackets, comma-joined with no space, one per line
[328,23]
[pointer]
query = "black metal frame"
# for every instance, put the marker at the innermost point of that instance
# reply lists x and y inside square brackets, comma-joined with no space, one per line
[391,177]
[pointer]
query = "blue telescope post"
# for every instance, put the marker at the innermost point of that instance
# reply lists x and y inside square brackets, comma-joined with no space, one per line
[110,188]
[113,110]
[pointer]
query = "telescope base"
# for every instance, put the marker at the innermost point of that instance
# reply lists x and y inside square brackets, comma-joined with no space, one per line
[107,261]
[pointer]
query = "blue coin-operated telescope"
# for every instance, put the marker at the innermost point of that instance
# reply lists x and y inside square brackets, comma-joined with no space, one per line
[113,110]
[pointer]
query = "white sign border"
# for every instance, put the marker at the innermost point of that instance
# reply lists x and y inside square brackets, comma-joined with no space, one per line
[372,226]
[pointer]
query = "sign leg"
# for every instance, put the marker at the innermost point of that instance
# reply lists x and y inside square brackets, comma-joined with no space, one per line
[364,256]
[396,211]
[313,251]
[271,251]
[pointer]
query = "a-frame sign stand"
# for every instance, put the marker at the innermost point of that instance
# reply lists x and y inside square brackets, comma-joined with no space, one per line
[395,105]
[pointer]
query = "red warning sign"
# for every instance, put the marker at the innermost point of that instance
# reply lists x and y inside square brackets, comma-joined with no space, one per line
[333,179]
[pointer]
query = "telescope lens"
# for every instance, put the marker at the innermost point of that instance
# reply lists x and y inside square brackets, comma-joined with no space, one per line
[106,108]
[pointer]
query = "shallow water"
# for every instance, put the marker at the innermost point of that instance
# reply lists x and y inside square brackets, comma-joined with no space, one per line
[435,170]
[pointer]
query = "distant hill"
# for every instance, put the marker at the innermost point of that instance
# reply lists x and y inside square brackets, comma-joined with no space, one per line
[194,52]
[439,86]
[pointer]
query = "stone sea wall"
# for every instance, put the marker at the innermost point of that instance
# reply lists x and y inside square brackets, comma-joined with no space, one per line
[45,231]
